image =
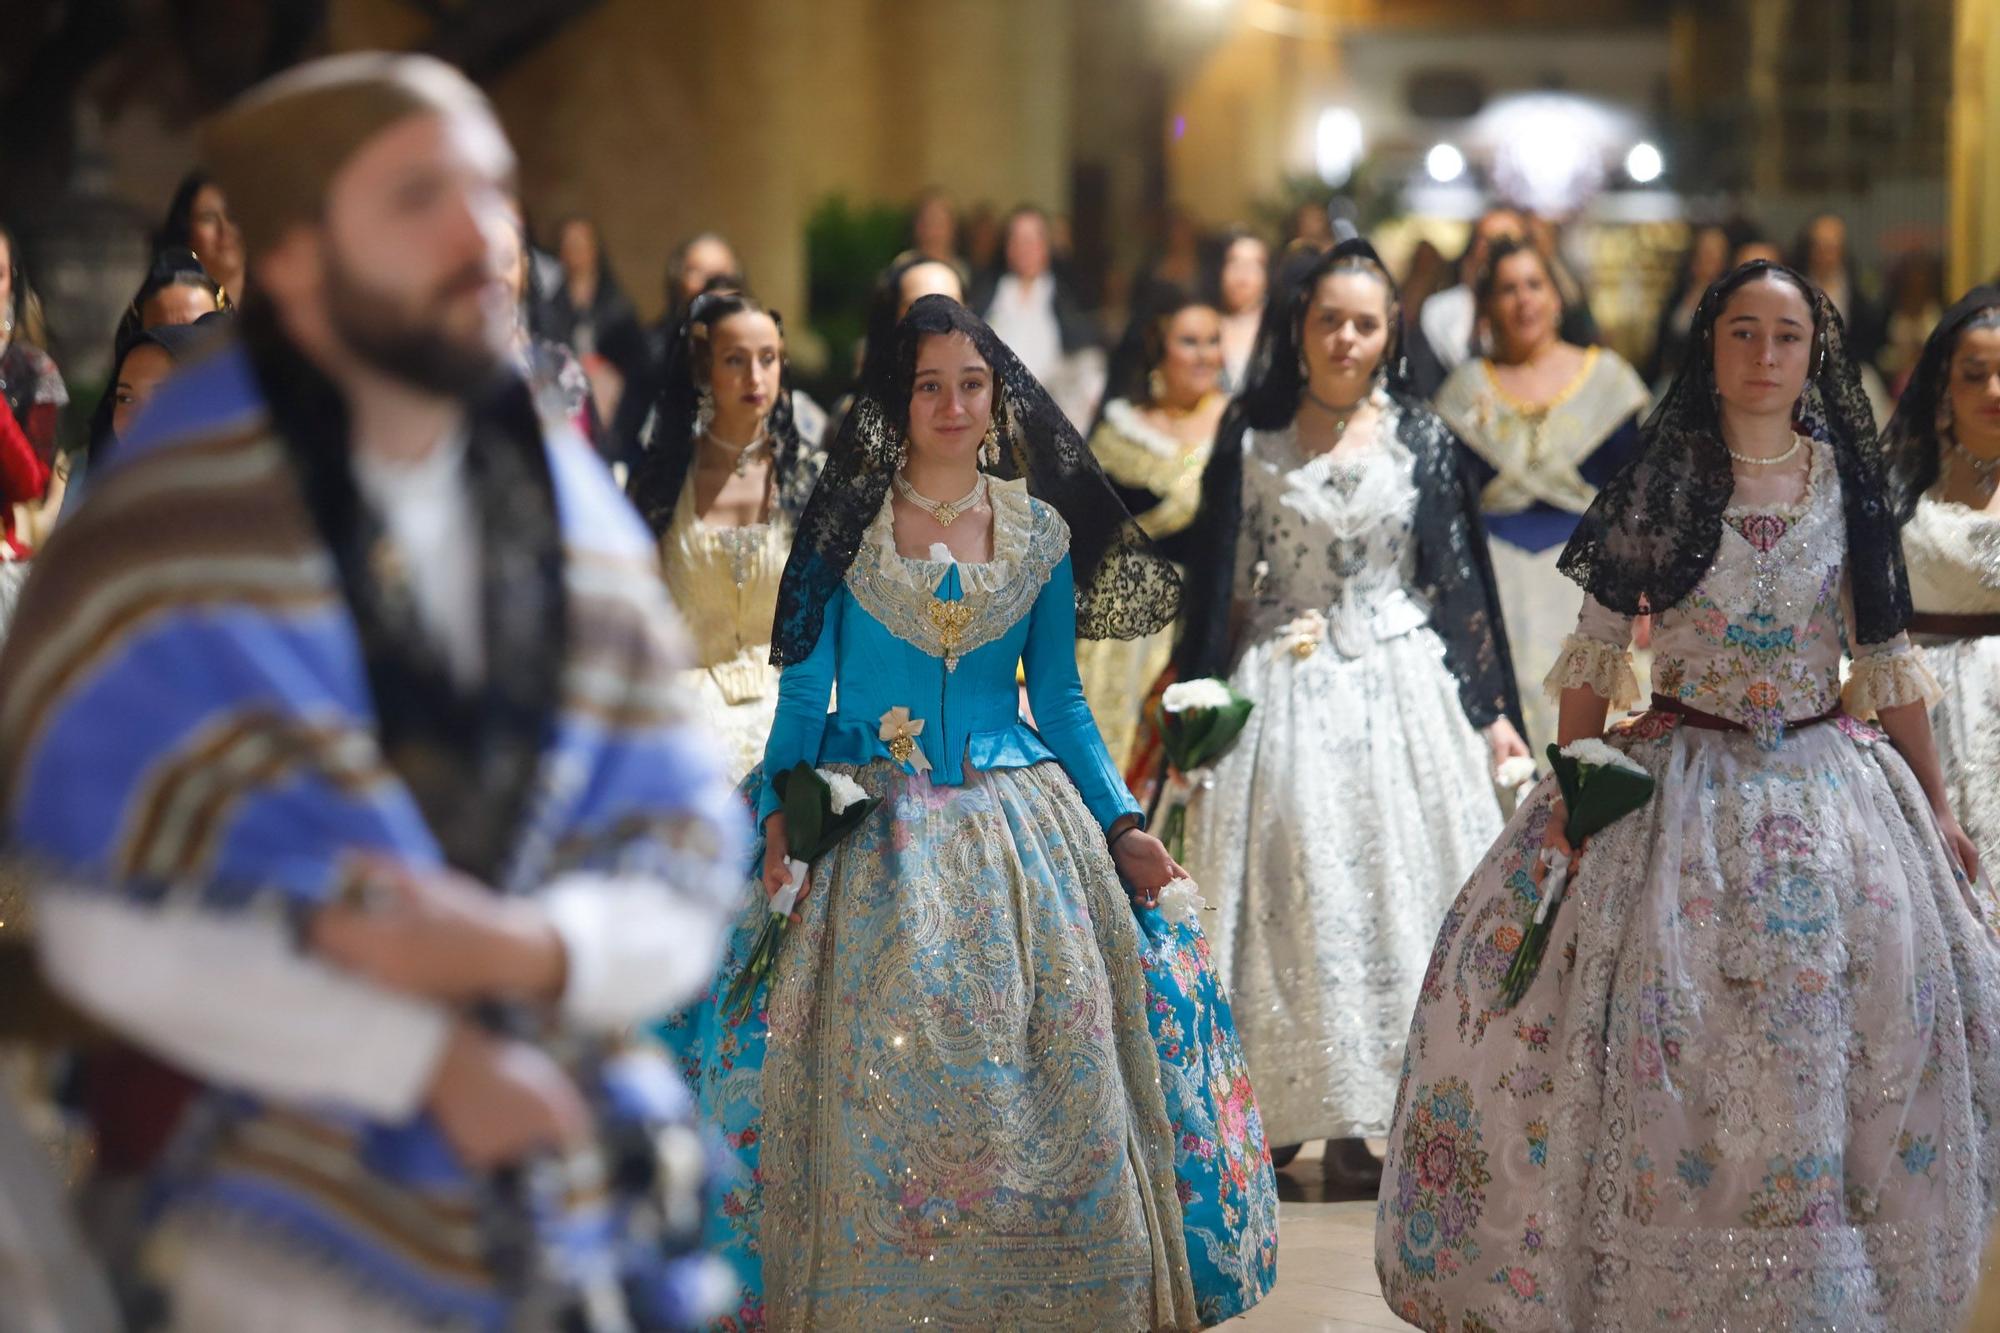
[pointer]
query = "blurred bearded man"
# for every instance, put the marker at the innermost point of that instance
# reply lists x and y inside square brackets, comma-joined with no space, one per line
[339,727]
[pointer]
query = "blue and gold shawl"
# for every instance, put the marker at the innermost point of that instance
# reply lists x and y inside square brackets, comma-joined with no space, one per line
[186,716]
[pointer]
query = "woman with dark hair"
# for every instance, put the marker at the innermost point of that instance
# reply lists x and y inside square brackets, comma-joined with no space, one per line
[32,396]
[1152,438]
[1544,423]
[553,373]
[982,1085]
[176,290]
[724,478]
[1033,309]
[1706,259]
[198,220]
[592,317]
[140,364]
[1242,286]
[1824,253]
[1343,587]
[912,277]
[1943,447]
[1915,304]
[1754,1082]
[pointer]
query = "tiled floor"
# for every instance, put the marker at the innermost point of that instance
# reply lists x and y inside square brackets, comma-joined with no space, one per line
[1326,1263]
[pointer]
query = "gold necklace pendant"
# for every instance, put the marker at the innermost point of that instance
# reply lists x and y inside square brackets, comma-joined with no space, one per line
[945,515]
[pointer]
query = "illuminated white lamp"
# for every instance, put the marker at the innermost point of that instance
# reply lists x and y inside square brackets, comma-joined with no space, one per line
[1444,163]
[1644,163]
[1337,144]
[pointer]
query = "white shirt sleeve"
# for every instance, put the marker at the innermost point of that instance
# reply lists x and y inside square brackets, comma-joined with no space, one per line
[232,1001]
[635,949]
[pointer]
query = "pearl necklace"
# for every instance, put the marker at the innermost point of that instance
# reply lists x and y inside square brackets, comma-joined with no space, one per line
[946,512]
[740,456]
[1751,460]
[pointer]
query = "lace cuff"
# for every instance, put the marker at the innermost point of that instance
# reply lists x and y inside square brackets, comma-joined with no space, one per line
[1603,668]
[1889,680]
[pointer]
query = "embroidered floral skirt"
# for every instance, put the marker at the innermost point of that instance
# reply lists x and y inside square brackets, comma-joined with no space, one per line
[979,1090]
[1754,1085]
[1967,727]
[1117,674]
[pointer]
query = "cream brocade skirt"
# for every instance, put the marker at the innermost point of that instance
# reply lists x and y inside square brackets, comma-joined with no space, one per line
[1117,673]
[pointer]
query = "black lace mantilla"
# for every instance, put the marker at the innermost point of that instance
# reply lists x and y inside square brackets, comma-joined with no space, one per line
[1915,441]
[670,433]
[1654,529]
[1124,588]
[1454,572]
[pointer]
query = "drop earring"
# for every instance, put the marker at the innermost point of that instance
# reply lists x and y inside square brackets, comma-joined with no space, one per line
[989,445]
[1156,386]
[704,409]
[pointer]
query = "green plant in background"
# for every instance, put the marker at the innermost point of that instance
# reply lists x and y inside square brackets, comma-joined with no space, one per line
[1376,196]
[847,246]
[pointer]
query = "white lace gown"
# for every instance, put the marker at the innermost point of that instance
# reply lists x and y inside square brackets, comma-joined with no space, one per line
[1356,800]
[1954,558]
[1755,1083]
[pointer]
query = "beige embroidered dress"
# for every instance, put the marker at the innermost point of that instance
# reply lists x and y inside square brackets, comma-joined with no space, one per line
[1160,476]
[1755,1083]
[1538,467]
[1954,559]
[725,582]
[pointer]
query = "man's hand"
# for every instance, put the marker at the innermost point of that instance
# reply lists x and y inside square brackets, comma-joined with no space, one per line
[498,1102]
[441,936]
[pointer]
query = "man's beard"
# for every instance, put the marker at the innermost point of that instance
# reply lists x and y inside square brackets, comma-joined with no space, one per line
[391,338]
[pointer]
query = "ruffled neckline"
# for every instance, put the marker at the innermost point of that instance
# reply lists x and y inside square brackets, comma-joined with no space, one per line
[1126,419]
[1013,526]
[1816,482]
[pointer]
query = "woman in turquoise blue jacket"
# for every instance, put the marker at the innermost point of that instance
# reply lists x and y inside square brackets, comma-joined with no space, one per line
[982,1087]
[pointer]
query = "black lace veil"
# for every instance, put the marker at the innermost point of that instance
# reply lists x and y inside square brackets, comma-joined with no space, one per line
[673,427]
[1124,588]
[1654,529]
[1453,568]
[1919,433]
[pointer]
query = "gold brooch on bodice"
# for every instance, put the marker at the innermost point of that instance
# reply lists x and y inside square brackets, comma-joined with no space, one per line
[899,732]
[950,620]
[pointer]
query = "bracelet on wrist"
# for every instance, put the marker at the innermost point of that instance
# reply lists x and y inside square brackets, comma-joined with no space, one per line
[1129,828]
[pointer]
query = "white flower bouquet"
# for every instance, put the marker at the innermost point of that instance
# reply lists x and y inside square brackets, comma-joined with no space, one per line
[1600,786]
[821,808]
[1198,720]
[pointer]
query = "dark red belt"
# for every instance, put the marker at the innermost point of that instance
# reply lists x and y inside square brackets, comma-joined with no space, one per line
[1694,717]
[1954,627]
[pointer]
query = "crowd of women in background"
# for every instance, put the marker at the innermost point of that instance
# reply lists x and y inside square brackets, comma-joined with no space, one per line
[1421,528]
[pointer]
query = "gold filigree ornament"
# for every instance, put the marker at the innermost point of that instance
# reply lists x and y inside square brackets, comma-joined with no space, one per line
[950,620]
[1303,635]
[899,732]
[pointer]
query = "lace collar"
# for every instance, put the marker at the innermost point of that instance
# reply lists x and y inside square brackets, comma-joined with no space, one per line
[1131,423]
[901,592]
[1819,475]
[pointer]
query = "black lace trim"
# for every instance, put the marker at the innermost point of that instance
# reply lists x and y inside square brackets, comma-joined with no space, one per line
[1654,529]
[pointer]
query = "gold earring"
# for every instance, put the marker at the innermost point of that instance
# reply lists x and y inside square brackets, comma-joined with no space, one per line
[989,446]
[1156,386]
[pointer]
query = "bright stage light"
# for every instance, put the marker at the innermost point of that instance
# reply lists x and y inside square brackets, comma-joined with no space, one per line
[1444,163]
[1337,144]
[1644,163]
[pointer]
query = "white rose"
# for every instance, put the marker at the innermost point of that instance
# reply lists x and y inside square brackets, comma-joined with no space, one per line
[1179,901]
[845,790]
[1190,694]
[1513,772]
[1590,750]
